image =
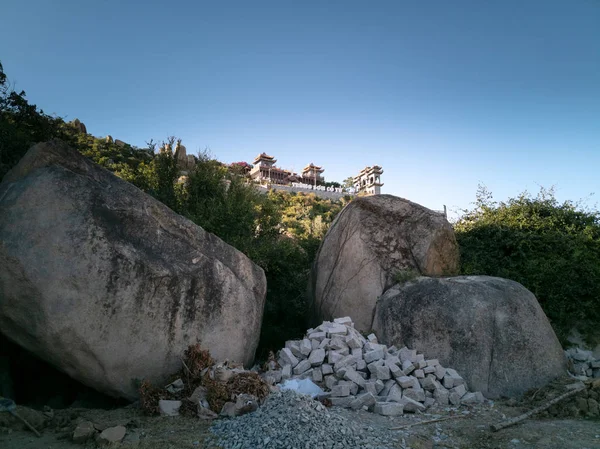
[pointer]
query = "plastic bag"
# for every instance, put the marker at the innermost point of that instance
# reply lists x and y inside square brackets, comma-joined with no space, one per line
[303,386]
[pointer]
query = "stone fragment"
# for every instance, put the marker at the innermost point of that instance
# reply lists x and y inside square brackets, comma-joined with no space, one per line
[317,375]
[411,405]
[440,372]
[306,374]
[419,374]
[287,358]
[369,346]
[395,394]
[294,347]
[353,387]
[382,373]
[415,395]
[433,362]
[363,400]
[83,432]
[316,358]
[454,398]
[337,329]
[113,435]
[428,402]
[319,336]
[315,344]
[331,381]
[395,370]
[472,398]
[388,408]
[336,344]
[456,379]
[353,376]
[340,372]
[272,377]
[372,338]
[354,342]
[370,387]
[373,355]
[346,320]
[429,369]
[405,381]
[460,390]
[333,357]
[357,353]
[301,367]
[324,343]
[379,385]
[441,396]
[168,408]
[344,401]
[429,383]
[326,368]
[448,382]
[361,365]
[392,360]
[340,391]
[345,361]
[175,387]
[286,372]
[407,367]
[305,347]
[372,367]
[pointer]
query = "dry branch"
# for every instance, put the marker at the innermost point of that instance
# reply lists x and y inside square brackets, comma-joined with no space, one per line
[541,408]
[428,422]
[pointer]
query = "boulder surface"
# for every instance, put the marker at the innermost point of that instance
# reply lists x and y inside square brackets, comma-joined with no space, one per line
[108,284]
[491,330]
[371,241]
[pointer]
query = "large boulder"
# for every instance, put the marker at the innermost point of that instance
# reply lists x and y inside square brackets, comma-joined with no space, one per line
[491,330]
[371,242]
[108,284]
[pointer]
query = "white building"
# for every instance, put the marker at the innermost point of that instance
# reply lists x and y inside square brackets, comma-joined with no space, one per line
[368,181]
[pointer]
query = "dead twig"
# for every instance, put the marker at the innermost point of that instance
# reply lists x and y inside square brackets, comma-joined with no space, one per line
[446,418]
[541,408]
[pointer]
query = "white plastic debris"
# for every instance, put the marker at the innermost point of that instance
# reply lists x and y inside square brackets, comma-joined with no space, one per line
[303,386]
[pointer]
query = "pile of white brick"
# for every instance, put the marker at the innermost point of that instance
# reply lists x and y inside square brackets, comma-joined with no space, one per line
[583,363]
[361,373]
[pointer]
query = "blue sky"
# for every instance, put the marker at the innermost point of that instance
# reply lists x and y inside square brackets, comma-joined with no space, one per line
[444,95]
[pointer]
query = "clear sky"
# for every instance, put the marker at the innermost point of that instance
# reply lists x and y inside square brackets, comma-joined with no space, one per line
[442,94]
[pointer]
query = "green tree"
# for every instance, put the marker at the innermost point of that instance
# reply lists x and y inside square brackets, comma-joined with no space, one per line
[551,248]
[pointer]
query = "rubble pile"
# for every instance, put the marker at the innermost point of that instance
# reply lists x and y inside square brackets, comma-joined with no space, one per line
[583,363]
[360,373]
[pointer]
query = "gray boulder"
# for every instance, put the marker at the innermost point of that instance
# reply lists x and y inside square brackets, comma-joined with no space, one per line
[108,284]
[491,330]
[371,241]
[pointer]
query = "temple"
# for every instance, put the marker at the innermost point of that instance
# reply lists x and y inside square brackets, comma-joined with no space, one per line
[311,174]
[368,181]
[265,170]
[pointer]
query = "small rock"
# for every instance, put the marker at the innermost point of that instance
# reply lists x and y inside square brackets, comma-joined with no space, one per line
[112,436]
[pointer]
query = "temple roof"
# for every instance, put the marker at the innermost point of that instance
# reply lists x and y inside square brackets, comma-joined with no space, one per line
[314,167]
[264,157]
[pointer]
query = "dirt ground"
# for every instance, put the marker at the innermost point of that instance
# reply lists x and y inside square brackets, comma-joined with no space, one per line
[470,431]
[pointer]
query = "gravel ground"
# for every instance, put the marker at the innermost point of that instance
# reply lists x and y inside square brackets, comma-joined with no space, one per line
[292,421]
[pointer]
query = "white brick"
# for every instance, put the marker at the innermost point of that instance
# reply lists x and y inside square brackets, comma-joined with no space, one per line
[340,390]
[286,372]
[342,401]
[407,367]
[388,408]
[353,342]
[316,357]
[320,336]
[317,375]
[373,356]
[287,357]
[395,394]
[415,395]
[326,368]
[382,373]
[331,381]
[372,338]
[405,381]
[301,367]
[346,320]
[346,361]
[363,400]
[353,376]
[305,347]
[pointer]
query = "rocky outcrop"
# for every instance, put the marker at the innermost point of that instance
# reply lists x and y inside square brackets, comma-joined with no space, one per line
[371,241]
[108,284]
[491,330]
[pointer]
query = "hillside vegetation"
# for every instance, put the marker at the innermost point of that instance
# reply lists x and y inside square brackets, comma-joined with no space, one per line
[551,248]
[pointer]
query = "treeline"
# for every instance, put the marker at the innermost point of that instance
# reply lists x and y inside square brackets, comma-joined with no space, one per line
[552,248]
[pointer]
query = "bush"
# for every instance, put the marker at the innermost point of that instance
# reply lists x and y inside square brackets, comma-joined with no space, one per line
[552,248]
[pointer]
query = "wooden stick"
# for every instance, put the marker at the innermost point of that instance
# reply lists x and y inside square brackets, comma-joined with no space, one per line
[445,418]
[541,408]
[12,412]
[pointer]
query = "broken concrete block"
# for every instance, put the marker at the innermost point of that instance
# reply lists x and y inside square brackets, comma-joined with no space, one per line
[460,389]
[316,357]
[317,375]
[340,372]
[372,367]
[294,347]
[448,382]
[432,362]
[112,436]
[336,343]
[306,374]
[354,342]
[326,368]
[301,367]
[331,381]
[388,408]
[429,369]
[324,343]
[315,344]
[415,395]
[337,329]
[379,385]
[472,398]
[440,372]
[395,394]
[454,398]
[361,365]
[346,321]
[345,361]
[344,401]
[287,357]
[441,396]
[353,376]
[392,359]
[319,336]
[369,346]
[353,387]
[339,391]
[286,372]
[373,355]
[428,402]
[395,370]
[456,379]
[419,374]
[412,406]
[333,357]
[363,400]
[429,383]
[407,367]
[84,431]
[357,353]
[305,347]
[382,373]
[405,381]
[168,408]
